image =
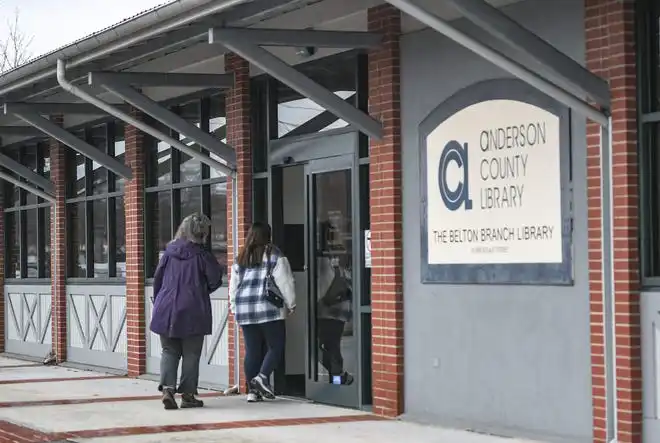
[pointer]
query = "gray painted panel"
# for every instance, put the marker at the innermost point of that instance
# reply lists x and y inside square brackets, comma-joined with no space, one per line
[650,310]
[514,360]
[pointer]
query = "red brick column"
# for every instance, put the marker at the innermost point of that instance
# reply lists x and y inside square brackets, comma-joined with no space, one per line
[135,277]
[238,137]
[386,215]
[58,247]
[610,32]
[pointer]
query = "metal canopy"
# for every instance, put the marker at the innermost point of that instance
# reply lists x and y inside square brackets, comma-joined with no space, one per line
[302,38]
[298,82]
[223,81]
[213,144]
[23,185]
[54,108]
[51,129]
[524,41]
[27,173]
[554,64]
[498,59]
[127,118]
[27,131]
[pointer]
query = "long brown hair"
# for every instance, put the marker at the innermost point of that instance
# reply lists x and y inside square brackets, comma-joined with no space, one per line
[258,239]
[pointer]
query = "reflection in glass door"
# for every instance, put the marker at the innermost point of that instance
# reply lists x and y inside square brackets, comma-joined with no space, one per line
[332,335]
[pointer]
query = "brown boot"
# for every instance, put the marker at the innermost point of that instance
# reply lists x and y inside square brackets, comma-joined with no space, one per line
[168,399]
[189,401]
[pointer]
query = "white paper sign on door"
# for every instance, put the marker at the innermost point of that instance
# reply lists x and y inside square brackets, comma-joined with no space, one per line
[367,248]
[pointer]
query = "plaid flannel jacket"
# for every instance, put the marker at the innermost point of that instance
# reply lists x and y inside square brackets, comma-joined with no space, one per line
[249,305]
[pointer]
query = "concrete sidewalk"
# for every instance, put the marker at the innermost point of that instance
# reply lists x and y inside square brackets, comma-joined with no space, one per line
[54,404]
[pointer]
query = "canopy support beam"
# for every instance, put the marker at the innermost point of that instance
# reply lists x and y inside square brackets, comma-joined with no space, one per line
[213,144]
[298,37]
[155,79]
[27,173]
[552,63]
[300,83]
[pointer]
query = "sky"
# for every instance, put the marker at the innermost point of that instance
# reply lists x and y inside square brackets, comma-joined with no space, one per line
[56,23]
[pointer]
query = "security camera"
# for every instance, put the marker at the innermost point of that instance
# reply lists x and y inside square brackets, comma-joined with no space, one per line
[306,51]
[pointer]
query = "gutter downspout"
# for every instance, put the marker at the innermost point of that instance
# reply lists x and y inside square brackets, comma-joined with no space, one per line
[234,234]
[123,43]
[76,91]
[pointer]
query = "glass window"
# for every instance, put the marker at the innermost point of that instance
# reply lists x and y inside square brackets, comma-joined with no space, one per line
[120,238]
[26,253]
[297,115]
[179,186]
[97,237]
[649,139]
[97,137]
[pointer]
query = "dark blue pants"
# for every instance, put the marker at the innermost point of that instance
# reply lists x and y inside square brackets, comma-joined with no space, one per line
[274,335]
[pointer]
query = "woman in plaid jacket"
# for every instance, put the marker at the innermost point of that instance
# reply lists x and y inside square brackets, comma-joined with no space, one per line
[259,318]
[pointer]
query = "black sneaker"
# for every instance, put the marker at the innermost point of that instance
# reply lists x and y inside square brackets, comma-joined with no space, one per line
[168,399]
[261,385]
[189,401]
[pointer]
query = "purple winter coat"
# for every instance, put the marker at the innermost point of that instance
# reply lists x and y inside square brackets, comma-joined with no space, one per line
[185,277]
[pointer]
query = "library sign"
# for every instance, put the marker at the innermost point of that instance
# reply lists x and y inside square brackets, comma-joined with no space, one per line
[493,186]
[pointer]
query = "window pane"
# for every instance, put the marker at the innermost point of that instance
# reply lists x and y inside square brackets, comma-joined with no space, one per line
[79,164]
[100,235]
[119,151]
[13,265]
[98,138]
[120,238]
[191,201]
[219,222]
[190,170]
[218,127]
[44,154]
[29,160]
[46,253]
[158,226]
[31,247]
[77,250]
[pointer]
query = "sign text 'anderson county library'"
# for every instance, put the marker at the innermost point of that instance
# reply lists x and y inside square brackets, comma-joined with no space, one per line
[494,186]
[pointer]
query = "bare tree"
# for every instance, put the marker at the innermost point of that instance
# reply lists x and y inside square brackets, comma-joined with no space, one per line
[15,47]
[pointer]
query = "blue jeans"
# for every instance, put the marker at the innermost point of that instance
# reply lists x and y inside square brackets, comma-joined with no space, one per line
[274,335]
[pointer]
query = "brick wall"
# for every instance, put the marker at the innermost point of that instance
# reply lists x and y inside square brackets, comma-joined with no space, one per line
[135,277]
[58,247]
[610,32]
[386,215]
[238,137]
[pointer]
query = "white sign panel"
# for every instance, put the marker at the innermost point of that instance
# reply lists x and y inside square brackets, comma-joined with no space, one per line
[367,248]
[494,186]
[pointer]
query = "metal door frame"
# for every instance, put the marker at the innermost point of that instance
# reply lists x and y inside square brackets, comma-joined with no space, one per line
[322,391]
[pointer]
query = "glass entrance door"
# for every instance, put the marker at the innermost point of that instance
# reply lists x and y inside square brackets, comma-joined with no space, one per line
[332,373]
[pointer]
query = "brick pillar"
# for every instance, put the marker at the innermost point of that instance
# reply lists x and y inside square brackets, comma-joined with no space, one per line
[238,137]
[610,33]
[386,215]
[135,277]
[58,247]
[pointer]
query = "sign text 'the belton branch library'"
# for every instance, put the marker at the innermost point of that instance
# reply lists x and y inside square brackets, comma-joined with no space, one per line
[494,186]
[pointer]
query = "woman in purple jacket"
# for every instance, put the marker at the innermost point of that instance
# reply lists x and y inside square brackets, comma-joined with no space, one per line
[184,280]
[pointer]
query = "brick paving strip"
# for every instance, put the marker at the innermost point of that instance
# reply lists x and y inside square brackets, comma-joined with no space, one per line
[50,380]
[11,433]
[84,401]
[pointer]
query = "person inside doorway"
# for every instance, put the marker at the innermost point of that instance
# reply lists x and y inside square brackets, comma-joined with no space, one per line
[186,276]
[261,295]
[334,306]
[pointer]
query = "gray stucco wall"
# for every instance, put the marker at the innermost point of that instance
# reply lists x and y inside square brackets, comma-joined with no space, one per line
[513,360]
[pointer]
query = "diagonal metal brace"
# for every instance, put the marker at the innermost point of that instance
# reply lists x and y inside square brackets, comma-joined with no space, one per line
[170,119]
[78,145]
[221,81]
[555,64]
[28,187]
[27,174]
[304,85]
[298,37]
